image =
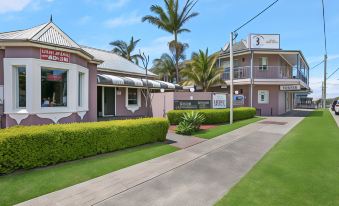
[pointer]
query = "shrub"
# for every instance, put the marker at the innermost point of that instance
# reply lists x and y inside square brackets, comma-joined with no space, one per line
[36,146]
[184,128]
[213,116]
[194,118]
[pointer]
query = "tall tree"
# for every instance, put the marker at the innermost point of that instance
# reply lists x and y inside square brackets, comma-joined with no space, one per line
[125,49]
[164,67]
[202,71]
[172,20]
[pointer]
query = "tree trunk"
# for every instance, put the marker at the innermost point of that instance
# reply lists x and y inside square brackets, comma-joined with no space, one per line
[176,57]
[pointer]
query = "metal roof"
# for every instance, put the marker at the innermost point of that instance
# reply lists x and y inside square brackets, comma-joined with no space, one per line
[114,62]
[45,33]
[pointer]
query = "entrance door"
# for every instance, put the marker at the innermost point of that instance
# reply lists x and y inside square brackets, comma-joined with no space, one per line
[109,101]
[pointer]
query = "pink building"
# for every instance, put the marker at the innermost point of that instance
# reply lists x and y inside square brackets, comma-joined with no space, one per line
[265,74]
[46,77]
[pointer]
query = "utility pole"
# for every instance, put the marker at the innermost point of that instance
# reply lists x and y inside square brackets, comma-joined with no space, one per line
[325,78]
[231,78]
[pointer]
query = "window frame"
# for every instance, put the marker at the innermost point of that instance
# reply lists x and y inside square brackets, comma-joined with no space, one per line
[133,107]
[263,67]
[67,85]
[81,90]
[16,86]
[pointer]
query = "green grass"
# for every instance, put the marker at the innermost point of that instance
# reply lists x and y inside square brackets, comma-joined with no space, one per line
[302,169]
[222,129]
[21,186]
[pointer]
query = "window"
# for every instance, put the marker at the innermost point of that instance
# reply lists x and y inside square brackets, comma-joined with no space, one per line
[81,89]
[53,87]
[21,86]
[263,63]
[132,96]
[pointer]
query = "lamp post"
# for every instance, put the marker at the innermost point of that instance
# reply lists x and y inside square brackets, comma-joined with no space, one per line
[231,78]
[162,90]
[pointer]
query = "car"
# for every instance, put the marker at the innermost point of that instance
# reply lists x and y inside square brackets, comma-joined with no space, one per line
[333,104]
[336,108]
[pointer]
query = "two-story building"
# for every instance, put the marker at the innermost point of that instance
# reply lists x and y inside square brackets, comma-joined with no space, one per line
[265,74]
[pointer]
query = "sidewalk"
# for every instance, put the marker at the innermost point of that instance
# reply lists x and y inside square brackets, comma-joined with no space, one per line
[336,117]
[197,175]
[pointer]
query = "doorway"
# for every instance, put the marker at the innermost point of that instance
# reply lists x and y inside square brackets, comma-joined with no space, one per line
[106,101]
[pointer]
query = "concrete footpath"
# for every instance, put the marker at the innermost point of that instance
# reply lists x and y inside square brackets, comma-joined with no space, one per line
[336,117]
[198,175]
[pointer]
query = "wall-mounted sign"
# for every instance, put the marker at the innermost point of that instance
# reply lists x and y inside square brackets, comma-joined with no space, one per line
[264,41]
[54,55]
[238,100]
[192,104]
[263,96]
[219,101]
[290,87]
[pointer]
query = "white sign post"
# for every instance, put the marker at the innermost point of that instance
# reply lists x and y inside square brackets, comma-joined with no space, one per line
[264,41]
[219,101]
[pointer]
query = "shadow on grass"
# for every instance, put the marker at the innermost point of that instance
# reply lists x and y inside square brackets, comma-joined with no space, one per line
[317,113]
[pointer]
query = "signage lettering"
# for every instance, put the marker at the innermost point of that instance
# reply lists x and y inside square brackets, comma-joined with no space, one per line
[219,101]
[54,55]
[290,87]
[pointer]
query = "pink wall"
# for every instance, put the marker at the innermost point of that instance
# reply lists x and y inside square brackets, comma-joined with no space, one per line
[159,103]
[92,93]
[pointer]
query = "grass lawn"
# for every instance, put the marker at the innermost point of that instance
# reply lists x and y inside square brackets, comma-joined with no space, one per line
[302,169]
[21,186]
[222,129]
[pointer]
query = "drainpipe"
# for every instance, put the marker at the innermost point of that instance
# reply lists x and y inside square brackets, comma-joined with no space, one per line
[251,89]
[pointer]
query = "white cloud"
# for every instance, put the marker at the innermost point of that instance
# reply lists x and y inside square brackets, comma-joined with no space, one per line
[316,86]
[133,18]
[13,5]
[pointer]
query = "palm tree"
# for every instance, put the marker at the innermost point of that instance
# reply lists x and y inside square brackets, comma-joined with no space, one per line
[202,71]
[164,67]
[172,20]
[126,49]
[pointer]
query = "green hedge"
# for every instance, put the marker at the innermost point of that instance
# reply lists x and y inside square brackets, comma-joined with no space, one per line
[214,116]
[36,146]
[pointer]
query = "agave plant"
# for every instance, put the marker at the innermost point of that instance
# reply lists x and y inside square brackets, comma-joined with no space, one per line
[184,128]
[194,118]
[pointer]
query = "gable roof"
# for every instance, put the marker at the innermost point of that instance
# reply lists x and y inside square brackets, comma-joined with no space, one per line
[115,63]
[45,33]
[237,46]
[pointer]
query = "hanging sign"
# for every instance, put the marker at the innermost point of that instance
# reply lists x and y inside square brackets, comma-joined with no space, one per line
[290,87]
[54,55]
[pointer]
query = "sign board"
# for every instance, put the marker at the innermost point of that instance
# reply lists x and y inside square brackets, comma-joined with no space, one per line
[238,100]
[263,97]
[219,101]
[54,55]
[290,87]
[264,41]
[192,104]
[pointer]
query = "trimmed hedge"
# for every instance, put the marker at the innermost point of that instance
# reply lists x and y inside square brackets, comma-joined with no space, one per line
[214,116]
[35,146]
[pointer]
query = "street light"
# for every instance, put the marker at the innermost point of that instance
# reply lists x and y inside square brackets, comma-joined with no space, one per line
[162,90]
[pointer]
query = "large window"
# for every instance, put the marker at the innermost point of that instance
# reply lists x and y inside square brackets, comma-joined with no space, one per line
[263,63]
[53,87]
[81,89]
[21,86]
[132,96]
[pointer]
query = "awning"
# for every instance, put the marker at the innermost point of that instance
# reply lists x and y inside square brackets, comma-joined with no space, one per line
[106,79]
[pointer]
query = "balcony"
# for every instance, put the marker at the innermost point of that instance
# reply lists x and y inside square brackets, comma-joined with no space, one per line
[265,72]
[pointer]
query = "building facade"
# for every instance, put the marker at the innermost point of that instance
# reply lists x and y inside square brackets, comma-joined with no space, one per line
[265,74]
[46,78]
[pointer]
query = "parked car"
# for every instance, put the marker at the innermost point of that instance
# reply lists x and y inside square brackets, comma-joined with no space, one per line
[333,104]
[336,108]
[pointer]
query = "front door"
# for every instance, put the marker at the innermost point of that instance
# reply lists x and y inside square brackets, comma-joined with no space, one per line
[109,101]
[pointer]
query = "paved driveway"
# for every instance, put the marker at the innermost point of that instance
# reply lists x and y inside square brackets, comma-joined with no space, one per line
[197,175]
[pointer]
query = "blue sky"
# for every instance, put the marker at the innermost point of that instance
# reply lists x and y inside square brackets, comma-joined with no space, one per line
[98,22]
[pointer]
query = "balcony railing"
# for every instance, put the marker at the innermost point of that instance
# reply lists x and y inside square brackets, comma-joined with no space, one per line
[265,72]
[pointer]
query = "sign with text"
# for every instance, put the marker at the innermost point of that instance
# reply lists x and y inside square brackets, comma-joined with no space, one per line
[264,41]
[54,55]
[238,100]
[290,87]
[219,101]
[192,104]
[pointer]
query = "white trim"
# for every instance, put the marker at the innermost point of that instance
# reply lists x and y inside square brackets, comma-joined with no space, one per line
[136,107]
[55,117]
[33,86]
[18,117]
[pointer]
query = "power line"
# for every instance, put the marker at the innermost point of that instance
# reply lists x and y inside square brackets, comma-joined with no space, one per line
[333,73]
[317,64]
[255,16]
